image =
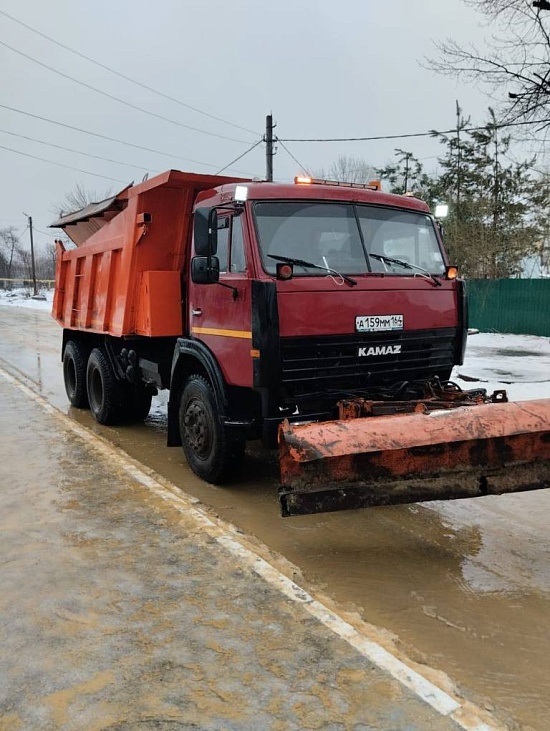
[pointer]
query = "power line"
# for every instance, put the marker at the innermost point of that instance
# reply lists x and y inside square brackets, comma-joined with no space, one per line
[77,152]
[118,99]
[431,133]
[110,139]
[69,167]
[285,148]
[238,158]
[367,139]
[123,76]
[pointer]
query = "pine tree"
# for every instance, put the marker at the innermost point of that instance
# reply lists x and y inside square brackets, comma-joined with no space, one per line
[407,176]
[491,227]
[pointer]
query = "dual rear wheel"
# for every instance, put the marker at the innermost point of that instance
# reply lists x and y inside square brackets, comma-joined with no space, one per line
[213,450]
[90,382]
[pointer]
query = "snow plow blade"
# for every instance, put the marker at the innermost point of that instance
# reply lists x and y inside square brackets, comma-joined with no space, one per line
[469,451]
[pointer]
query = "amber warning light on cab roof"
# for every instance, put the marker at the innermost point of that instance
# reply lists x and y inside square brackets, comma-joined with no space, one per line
[305,180]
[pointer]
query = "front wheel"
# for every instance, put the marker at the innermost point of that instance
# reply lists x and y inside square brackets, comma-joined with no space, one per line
[213,451]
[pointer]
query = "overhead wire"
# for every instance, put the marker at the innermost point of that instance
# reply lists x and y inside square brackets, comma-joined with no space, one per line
[240,156]
[196,109]
[77,152]
[431,133]
[118,99]
[44,233]
[59,164]
[285,148]
[106,137]
[125,77]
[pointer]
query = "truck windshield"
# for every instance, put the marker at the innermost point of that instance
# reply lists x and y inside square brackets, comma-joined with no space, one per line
[339,235]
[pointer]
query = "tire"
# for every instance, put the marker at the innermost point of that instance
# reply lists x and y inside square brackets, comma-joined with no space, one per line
[140,403]
[213,451]
[105,392]
[75,359]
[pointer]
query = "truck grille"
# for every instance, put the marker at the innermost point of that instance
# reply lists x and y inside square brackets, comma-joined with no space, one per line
[334,362]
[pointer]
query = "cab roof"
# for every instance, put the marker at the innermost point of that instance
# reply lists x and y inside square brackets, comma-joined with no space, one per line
[297,191]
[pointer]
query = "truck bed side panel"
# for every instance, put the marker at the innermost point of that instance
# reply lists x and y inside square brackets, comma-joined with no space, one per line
[126,278]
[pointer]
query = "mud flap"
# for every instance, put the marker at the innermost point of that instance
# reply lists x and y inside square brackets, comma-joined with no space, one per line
[471,451]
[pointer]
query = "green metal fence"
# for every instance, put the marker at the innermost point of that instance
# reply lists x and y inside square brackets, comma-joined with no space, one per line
[510,305]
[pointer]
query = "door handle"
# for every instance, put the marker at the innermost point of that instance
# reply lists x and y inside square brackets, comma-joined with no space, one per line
[196,312]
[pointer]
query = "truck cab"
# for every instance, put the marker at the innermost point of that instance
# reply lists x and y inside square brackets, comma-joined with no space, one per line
[319,292]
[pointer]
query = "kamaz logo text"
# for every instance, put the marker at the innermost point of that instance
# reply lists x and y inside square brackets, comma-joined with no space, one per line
[379,350]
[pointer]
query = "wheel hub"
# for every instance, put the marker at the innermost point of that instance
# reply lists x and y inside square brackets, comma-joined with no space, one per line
[197,432]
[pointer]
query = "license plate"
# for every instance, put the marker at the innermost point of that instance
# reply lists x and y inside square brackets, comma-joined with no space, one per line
[378,323]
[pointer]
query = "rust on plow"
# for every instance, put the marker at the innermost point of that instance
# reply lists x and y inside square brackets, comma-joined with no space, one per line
[468,451]
[437,396]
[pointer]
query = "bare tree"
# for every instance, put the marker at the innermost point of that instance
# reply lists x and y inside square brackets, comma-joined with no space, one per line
[25,259]
[516,62]
[349,169]
[45,263]
[77,198]
[10,245]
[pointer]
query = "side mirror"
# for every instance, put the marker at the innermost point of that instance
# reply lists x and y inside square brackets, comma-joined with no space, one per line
[205,269]
[205,230]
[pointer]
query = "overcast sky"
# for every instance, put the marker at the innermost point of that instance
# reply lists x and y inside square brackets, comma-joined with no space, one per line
[325,68]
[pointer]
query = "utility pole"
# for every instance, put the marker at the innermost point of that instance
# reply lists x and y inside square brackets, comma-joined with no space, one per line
[35,291]
[406,181]
[496,201]
[458,162]
[268,139]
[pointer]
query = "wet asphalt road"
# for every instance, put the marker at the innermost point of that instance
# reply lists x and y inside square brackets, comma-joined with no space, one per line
[117,612]
[461,587]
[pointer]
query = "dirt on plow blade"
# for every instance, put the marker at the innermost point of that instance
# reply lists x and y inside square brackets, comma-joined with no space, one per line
[470,451]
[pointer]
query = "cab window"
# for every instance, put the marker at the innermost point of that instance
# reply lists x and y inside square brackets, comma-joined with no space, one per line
[231,244]
[237,257]
[406,237]
[223,242]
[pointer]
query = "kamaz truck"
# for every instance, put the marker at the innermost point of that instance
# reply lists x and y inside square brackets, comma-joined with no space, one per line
[322,318]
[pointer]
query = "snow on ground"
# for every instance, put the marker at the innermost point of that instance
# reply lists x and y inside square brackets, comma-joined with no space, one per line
[518,363]
[23,298]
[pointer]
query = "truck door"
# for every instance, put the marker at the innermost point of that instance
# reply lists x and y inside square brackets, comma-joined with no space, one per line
[220,314]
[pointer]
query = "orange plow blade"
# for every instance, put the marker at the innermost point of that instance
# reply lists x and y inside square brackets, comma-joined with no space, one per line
[470,451]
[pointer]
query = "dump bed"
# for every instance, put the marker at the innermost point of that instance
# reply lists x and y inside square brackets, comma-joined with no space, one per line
[124,276]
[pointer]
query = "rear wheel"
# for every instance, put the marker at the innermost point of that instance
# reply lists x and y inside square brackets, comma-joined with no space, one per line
[214,452]
[105,392]
[139,403]
[74,374]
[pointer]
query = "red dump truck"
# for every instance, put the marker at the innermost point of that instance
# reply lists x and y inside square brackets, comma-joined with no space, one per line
[319,316]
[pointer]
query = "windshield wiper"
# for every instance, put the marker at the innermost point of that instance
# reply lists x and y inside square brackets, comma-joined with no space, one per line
[406,265]
[310,265]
